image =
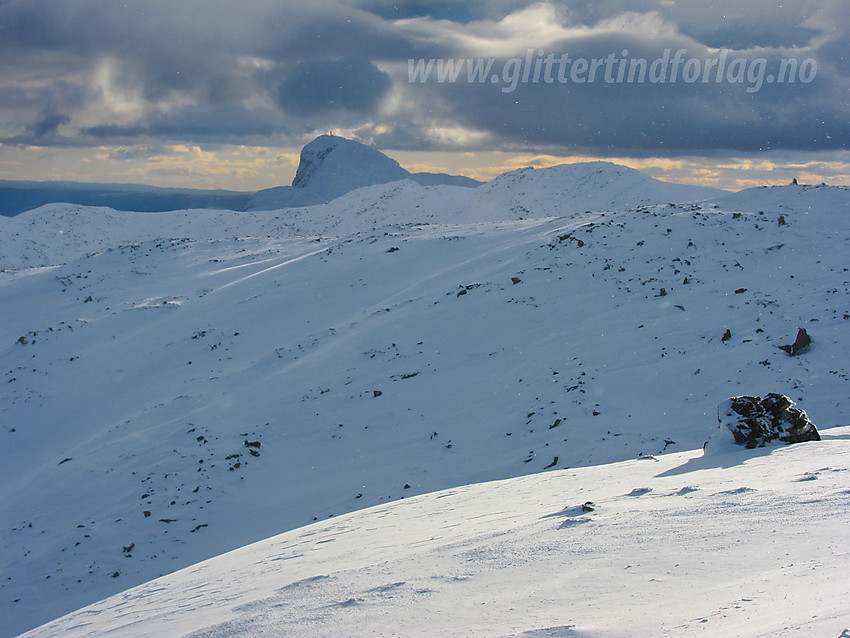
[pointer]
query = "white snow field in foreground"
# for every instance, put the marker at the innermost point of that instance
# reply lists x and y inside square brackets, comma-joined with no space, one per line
[735,543]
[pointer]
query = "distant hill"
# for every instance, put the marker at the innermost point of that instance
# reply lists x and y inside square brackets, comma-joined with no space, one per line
[790,198]
[591,186]
[19,196]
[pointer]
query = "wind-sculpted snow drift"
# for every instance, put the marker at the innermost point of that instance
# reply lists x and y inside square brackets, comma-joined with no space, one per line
[178,385]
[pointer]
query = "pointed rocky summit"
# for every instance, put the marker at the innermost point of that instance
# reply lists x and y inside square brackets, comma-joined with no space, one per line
[331,166]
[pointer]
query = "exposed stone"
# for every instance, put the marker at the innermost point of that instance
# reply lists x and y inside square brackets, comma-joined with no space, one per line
[801,343]
[755,422]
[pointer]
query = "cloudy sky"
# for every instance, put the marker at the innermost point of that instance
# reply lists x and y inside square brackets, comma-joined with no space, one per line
[219,94]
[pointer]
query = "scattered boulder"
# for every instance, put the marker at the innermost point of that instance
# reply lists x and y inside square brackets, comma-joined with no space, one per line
[801,343]
[755,422]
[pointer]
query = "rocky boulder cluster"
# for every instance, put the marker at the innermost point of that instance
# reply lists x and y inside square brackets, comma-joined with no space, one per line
[755,422]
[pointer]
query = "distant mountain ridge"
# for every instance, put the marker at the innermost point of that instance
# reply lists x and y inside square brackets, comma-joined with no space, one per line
[330,167]
[20,196]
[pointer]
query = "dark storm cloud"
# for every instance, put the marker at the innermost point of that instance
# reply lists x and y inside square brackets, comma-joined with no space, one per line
[718,23]
[159,53]
[212,70]
[322,86]
[742,112]
[739,113]
[193,123]
[462,11]
[49,124]
[715,23]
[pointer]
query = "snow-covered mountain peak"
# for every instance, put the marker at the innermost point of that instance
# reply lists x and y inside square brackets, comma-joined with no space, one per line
[338,165]
[332,166]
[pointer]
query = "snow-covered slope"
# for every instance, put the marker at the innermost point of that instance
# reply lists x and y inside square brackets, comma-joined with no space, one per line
[591,186]
[798,198]
[182,384]
[332,166]
[741,544]
[57,233]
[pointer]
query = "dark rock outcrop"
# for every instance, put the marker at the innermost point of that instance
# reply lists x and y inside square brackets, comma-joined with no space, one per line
[801,343]
[755,422]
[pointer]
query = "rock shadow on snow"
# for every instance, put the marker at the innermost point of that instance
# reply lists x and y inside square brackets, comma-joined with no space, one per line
[751,426]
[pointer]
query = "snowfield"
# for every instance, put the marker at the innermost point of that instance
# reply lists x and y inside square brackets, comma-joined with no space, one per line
[180,385]
[739,543]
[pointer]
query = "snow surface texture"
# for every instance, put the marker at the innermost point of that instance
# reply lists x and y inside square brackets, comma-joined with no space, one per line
[177,385]
[737,544]
[332,166]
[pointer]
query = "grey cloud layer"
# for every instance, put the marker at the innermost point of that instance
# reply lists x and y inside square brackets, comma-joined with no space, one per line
[88,72]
